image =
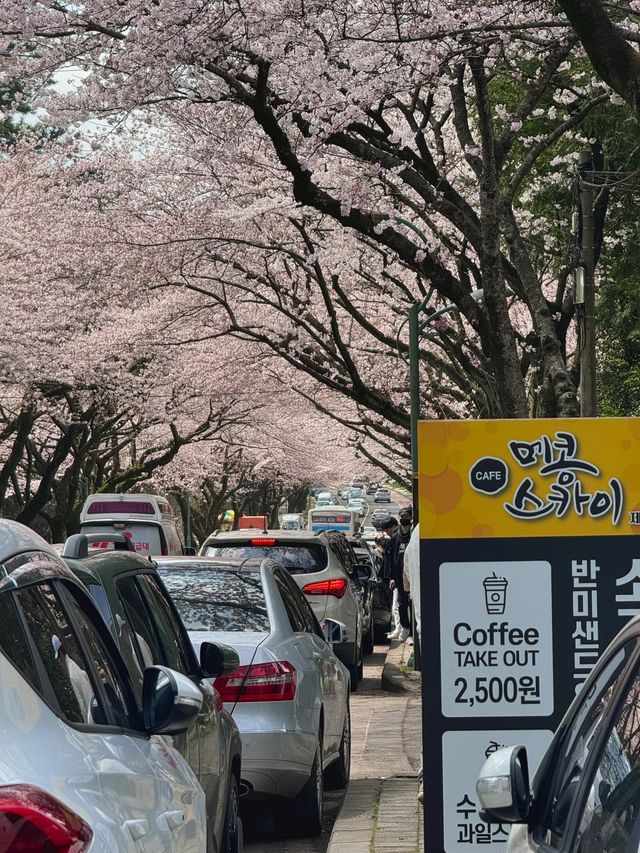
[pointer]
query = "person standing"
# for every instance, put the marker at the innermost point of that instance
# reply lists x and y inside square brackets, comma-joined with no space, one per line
[389,527]
[399,543]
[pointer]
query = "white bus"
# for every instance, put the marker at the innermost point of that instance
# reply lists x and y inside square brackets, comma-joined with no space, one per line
[334,518]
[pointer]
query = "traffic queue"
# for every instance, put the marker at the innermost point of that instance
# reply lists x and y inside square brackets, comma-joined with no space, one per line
[147,696]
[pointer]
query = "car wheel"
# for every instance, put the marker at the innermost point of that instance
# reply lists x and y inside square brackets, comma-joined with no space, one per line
[232,833]
[368,641]
[337,775]
[354,668]
[302,816]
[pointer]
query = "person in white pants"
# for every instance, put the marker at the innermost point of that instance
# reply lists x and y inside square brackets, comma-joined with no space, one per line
[411,572]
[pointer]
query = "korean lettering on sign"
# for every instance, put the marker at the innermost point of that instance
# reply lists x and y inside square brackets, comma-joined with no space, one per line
[471,830]
[565,491]
[586,632]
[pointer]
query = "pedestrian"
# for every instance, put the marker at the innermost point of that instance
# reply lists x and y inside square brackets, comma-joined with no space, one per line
[411,573]
[399,542]
[389,527]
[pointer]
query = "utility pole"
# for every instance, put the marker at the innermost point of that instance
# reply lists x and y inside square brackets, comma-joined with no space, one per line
[588,395]
[414,389]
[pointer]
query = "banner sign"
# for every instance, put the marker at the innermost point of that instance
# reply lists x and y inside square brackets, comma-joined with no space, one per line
[530,564]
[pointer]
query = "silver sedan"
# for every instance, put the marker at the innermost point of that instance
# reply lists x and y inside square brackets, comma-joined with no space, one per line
[290,695]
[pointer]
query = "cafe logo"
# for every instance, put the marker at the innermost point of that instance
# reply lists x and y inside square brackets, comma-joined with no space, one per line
[489,475]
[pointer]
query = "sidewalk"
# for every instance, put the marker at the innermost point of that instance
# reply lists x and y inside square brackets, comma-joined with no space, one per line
[381,810]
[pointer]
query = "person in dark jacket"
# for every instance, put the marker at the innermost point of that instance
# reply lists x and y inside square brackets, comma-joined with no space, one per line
[399,542]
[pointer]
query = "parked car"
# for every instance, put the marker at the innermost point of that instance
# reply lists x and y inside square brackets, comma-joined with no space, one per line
[382,496]
[148,630]
[147,520]
[290,694]
[85,766]
[586,792]
[322,564]
[379,516]
[378,597]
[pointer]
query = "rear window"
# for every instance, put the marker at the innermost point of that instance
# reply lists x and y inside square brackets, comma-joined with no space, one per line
[111,507]
[297,559]
[217,600]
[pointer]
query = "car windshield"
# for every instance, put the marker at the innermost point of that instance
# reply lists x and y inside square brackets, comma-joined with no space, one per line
[215,599]
[297,558]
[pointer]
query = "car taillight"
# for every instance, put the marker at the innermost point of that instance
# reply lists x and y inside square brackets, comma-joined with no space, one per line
[268,541]
[335,586]
[261,682]
[32,821]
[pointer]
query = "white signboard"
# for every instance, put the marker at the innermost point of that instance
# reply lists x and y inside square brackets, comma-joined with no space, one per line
[463,755]
[496,639]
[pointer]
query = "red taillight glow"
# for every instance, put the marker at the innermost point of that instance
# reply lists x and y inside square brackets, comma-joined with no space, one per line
[261,682]
[32,821]
[264,541]
[335,586]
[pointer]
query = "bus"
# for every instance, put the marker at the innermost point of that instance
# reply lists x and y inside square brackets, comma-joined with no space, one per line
[334,518]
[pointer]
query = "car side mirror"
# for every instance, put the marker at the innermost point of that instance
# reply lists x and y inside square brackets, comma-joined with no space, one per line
[170,701]
[335,632]
[503,786]
[217,659]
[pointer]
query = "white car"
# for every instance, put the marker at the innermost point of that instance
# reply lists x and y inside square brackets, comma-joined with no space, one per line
[84,769]
[586,793]
[290,694]
[324,567]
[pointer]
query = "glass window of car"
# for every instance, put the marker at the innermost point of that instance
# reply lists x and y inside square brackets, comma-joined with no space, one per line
[291,604]
[578,743]
[142,628]
[14,643]
[610,819]
[74,678]
[217,599]
[103,663]
[304,558]
[59,651]
[167,624]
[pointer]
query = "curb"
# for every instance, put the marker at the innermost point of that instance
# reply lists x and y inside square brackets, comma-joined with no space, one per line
[395,677]
[355,825]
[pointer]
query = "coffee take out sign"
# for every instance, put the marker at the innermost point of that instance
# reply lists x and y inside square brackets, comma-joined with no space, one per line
[530,564]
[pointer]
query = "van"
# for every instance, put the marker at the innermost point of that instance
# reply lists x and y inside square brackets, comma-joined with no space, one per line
[147,520]
[291,521]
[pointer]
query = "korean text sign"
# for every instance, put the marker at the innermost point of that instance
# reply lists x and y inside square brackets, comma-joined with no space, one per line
[530,564]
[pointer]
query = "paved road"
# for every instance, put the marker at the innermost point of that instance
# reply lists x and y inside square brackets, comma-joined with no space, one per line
[374,715]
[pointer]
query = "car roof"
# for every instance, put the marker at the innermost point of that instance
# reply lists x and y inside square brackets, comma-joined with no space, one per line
[100,563]
[16,539]
[253,533]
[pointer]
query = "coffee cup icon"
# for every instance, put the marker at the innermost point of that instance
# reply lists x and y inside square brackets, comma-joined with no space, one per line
[495,594]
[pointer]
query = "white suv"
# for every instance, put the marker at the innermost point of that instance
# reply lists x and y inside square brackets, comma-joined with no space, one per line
[81,770]
[323,565]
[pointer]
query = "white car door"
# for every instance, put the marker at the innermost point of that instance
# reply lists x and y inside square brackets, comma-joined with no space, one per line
[331,678]
[140,785]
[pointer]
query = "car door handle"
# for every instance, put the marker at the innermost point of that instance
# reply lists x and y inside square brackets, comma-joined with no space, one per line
[137,828]
[174,819]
